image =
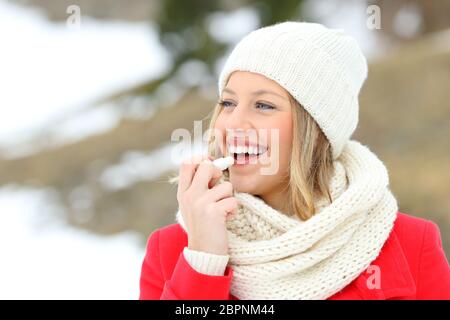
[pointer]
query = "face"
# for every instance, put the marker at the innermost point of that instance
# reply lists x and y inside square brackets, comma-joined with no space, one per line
[255,126]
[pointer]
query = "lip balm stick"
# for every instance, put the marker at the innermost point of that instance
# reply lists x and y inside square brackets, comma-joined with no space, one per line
[224,163]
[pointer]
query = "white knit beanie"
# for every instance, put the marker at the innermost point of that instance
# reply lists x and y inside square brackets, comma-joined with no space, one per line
[323,69]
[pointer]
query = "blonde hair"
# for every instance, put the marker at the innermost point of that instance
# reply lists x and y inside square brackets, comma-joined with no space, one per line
[311,164]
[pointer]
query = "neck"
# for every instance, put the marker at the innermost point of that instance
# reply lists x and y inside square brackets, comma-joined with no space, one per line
[277,200]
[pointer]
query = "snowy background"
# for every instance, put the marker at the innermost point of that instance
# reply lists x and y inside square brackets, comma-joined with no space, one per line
[81,234]
[61,70]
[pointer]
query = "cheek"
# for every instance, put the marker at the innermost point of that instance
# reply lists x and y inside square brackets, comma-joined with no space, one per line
[219,130]
[284,127]
[286,141]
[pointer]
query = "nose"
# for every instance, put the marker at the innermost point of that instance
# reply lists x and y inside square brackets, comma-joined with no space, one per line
[239,126]
[239,119]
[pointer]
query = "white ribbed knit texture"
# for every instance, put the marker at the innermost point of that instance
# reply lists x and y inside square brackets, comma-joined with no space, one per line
[205,262]
[323,69]
[275,256]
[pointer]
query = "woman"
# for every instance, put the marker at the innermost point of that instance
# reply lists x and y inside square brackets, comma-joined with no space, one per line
[320,222]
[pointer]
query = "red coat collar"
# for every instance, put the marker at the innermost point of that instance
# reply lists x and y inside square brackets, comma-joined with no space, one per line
[395,274]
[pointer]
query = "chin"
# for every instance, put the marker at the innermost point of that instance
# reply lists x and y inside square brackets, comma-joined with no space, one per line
[243,184]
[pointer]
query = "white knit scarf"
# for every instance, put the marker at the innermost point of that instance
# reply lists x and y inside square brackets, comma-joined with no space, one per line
[276,256]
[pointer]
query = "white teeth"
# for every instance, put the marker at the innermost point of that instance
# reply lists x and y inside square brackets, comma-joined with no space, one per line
[244,149]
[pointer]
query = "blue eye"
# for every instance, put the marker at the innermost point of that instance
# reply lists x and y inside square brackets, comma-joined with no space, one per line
[265,106]
[224,103]
[262,106]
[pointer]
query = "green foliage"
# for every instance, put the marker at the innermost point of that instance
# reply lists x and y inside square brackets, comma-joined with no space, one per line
[182,28]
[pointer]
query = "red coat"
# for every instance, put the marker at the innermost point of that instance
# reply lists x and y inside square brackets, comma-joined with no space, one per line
[412,265]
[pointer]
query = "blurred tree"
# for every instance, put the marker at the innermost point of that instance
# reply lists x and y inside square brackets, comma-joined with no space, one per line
[183,31]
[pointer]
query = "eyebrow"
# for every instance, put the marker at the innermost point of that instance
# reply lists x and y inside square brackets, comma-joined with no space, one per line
[257,92]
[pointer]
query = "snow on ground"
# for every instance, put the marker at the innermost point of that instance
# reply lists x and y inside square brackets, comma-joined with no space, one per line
[49,70]
[43,258]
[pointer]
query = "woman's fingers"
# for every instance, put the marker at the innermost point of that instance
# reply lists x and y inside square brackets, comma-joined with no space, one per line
[204,217]
[228,205]
[220,191]
[205,172]
[187,172]
[215,178]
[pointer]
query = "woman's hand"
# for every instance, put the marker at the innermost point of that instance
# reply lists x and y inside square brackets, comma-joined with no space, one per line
[204,205]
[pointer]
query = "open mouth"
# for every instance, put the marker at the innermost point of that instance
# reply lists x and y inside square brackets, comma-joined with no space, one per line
[246,154]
